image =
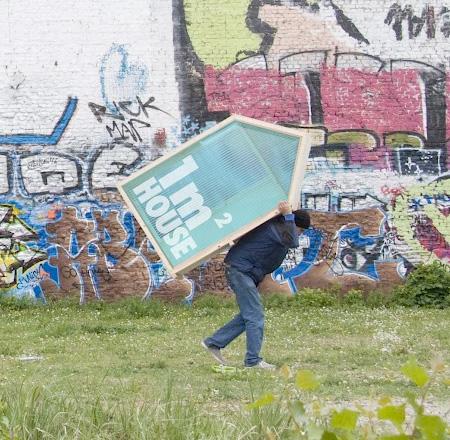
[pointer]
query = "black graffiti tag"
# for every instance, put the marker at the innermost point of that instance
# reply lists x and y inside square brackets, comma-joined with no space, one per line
[399,16]
[128,127]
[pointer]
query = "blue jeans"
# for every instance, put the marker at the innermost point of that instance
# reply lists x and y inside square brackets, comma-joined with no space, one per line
[250,319]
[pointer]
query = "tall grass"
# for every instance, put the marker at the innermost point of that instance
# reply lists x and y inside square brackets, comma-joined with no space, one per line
[37,413]
[135,369]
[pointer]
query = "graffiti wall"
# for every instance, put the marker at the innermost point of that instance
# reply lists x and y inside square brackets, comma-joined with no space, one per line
[371,77]
[92,91]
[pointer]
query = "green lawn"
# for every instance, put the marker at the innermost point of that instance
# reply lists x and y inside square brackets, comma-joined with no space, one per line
[137,370]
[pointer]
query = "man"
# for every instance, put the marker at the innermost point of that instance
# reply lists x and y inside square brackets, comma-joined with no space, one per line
[256,254]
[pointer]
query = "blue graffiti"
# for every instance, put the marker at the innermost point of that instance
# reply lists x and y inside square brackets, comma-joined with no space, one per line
[121,78]
[160,276]
[315,239]
[128,225]
[52,271]
[42,139]
[74,246]
[92,273]
[358,254]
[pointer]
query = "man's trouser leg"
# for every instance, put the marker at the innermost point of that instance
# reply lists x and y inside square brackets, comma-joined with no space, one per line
[250,318]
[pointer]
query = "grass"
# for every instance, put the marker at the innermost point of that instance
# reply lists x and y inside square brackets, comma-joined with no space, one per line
[133,370]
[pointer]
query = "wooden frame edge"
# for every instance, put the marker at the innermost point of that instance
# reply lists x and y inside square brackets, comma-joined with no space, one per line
[299,170]
[303,149]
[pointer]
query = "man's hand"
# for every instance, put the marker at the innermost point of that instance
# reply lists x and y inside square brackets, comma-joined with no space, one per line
[285,207]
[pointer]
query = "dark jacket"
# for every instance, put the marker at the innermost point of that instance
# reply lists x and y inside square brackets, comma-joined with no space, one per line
[263,249]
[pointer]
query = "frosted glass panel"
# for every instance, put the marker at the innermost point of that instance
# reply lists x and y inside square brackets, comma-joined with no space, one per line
[222,181]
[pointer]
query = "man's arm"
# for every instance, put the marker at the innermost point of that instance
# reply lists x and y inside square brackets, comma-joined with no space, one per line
[285,208]
[286,231]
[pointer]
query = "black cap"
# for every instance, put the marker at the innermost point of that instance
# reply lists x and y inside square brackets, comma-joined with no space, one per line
[301,218]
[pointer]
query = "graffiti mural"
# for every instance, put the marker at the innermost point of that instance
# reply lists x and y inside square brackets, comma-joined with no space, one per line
[21,263]
[95,106]
[421,217]
[377,172]
[96,250]
[405,20]
[87,250]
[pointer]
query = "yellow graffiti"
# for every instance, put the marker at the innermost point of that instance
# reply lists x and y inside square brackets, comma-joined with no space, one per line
[400,140]
[404,217]
[440,222]
[15,256]
[368,140]
[218,31]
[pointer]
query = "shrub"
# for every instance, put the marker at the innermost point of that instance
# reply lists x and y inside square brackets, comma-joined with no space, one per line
[17,303]
[316,298]
[426,286]
[376,298]
[278,301]
[353,297]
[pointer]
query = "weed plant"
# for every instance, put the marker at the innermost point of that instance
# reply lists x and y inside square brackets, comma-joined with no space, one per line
[427,286]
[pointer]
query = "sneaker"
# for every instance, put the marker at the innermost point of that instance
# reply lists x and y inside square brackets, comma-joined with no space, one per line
[215,353]
[263,365]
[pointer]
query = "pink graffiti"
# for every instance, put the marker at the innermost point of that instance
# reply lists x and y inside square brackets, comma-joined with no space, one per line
[380,101]
[358,154]
[257,93]
[447,94]
[331,184]
[431,239]
[393,191]
[351,99]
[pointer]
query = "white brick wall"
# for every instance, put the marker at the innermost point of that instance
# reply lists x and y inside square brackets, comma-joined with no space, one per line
[52,50]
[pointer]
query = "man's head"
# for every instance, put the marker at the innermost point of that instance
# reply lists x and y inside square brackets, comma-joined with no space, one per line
[301,218]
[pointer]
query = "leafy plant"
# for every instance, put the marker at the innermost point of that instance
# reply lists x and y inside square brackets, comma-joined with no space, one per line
[353,297]
[317,298]
[428,285]
[17,303]
[388,422]
[375,298]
